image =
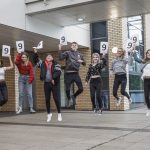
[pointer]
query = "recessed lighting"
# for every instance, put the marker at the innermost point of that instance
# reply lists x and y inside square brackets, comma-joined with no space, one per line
[80,19]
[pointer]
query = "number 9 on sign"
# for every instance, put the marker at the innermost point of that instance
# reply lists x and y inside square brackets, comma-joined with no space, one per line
[5,50]
[20,46]
[103,47]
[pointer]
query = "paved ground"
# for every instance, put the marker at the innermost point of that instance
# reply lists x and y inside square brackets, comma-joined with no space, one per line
[129,130]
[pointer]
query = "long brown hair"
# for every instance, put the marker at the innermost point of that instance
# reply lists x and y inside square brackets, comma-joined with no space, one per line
[26,54]
[146,59]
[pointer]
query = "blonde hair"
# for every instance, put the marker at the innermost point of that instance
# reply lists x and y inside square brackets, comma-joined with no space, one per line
[97,55]
[123,52]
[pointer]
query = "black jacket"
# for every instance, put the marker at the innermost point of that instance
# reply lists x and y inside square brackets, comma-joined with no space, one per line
[56,69]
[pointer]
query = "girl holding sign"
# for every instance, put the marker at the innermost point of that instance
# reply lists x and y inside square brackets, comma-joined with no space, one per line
[119,69]
[146,77]
[25,79]
[3,86]
[50,72]
[94,75]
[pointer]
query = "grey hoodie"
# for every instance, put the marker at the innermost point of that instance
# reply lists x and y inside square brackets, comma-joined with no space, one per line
[119,64]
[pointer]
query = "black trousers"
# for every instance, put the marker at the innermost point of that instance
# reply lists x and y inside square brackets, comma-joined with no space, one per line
[147,92]
[55,90]
[120,80]
[95,90]
[3,93]
[70,78]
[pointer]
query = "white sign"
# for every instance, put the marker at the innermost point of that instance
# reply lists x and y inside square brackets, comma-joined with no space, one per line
[39,46]
[135,39]
[63,40]
[5,50]
[129,45]
[104,47]
[20,46]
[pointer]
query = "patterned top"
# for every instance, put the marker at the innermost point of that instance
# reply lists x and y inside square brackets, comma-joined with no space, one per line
[95,69]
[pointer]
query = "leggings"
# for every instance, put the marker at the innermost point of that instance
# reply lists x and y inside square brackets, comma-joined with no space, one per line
[120,80]
[3,93]
[147,92]
[95,90]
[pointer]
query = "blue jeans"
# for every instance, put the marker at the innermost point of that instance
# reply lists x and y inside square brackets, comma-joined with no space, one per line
[25,88]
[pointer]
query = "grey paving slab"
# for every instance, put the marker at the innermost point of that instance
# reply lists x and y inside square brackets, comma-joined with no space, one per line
[78,131]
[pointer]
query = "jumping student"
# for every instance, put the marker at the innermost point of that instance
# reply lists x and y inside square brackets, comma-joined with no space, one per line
[50,72]
[73,60]
[3,86]
[146,77]
[94,75]
[26,78]
[119,69]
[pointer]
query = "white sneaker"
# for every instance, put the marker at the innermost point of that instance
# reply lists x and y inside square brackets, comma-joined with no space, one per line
[59,117]
[49,116]
[118,101]
[130,101]
[148,113]
[32,110]
[19,110]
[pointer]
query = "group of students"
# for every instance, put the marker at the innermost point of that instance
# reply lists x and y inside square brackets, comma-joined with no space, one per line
[50,72]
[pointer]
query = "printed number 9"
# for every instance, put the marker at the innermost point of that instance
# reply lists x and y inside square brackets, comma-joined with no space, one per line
[134,39]
[20,46]
[129,45]
[6,50]
[104,47]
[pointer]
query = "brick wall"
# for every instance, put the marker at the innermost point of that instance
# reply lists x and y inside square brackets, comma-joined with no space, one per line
[83,101]
[117,36]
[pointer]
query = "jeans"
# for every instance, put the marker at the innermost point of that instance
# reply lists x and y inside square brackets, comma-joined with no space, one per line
[25,88]
[3,93]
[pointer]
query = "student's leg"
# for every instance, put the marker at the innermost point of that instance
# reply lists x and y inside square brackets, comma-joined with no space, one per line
[78,82]
[98,85]
[4,93]
[47,91]
[92,94]
[56,96]
[115,87]
[68,81]
[123,87]
[29,94]
[21,84]
[147,92]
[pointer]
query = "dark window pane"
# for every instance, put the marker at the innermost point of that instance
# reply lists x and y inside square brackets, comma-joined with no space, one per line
[99,30]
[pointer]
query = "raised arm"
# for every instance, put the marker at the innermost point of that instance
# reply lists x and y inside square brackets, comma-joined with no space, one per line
[139,60]
[18,60]
[62,55]
[11,64]
[36,59]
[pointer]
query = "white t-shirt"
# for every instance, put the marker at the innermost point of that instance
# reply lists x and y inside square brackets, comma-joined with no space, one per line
[2,73]
[146,71]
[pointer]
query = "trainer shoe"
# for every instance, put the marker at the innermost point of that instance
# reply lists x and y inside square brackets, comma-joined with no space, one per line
[32,110]
[59,117]
[118,101]
[148,113]
[19,110]
[49,116]
[130,101]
